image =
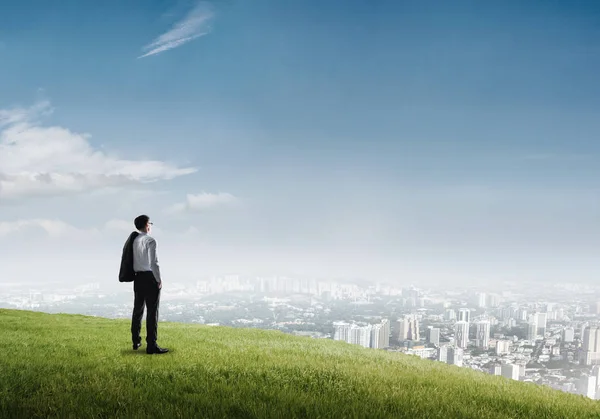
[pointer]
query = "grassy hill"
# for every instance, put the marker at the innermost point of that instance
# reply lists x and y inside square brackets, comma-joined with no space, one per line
[77,366]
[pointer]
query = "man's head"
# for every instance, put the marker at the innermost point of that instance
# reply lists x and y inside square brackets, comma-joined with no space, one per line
[143,224]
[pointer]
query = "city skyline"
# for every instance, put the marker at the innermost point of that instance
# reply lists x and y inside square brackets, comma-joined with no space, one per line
[393,140]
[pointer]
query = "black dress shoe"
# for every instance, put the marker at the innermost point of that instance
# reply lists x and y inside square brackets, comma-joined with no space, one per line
[136,346]
[156,350]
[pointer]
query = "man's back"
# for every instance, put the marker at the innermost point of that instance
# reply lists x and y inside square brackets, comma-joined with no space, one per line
[145,258]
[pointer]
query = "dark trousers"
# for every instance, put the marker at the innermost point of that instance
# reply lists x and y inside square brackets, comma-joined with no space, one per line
[147,294]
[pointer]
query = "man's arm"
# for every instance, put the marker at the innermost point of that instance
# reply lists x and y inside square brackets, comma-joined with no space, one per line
[154,261]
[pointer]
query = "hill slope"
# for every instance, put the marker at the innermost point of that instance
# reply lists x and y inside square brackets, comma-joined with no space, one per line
[78,366]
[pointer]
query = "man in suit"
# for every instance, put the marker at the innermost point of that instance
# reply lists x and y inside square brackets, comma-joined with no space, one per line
[147,284]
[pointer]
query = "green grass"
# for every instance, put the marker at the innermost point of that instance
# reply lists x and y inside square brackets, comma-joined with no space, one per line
[72,366]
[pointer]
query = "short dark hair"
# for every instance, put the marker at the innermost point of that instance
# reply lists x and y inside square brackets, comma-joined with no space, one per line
[141,221]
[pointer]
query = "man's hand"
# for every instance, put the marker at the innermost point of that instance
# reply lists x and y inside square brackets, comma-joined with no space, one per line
[160,285]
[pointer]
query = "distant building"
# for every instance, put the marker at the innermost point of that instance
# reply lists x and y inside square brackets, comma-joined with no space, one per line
[502,347]
[464,315]
[496,370]
[374,336]
[481,300]
[443,354]
[384,340]
[587,386]
[455,356]
[461,334]
[433,336]
[510,371]
[450,314]
[541,323]
[408,328]
[532,328]
[482,337]
[568,334]
[360,336]
[590,350]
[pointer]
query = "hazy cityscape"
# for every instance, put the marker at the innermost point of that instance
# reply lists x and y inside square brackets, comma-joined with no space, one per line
[543,333]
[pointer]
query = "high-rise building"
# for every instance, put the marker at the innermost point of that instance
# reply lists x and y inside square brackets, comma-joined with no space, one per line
[482,338]
[532,327]
[509,313]
[496,370]
[510,371]
[590,354]
[461,334]
[493,300]
[450,314]
[341,331]
[408,328]
[455,356]
[371,336]
[522,315]
[464,315]
[541,323]
[568,334]
[582,329]
[360,336]
[384,335]
[587,386]
[376,336]
[481,300]
[443,354]
[502,347]
[433,336]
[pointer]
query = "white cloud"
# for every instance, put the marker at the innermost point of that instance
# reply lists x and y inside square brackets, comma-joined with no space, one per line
[59,229]
[194,25]
[51,160]
[204,201]
[53,228]
[123,226]
[119,225]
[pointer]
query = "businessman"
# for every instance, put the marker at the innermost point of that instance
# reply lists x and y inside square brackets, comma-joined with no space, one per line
[147,284]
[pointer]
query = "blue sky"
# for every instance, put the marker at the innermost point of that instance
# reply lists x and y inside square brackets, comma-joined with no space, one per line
[406,140]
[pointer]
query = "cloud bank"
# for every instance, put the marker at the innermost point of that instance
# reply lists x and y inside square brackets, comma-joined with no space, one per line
[194,25]
[37,160]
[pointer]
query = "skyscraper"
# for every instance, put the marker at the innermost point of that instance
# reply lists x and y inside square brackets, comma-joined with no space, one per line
[502,347]
[408,328]
[541,323]
[481,300]
[591,346]
[510,371]
[482,338]
[370,336]
[587,386]
[464,315]
[433,335]
[455,356]
[384,335]
[443,353]
[360,336]
[532,327]
[461,334]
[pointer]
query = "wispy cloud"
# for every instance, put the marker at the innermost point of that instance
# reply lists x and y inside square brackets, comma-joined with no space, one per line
[60,229]
[38,160]
[204,201]
[195,24]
